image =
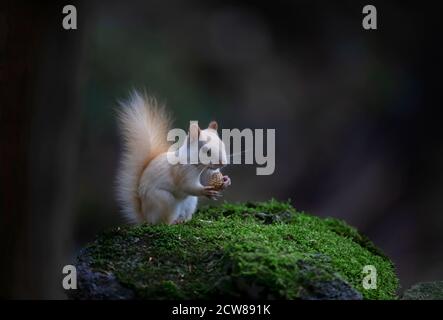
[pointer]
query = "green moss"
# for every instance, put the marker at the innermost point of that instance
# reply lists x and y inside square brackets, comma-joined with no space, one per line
[263,250]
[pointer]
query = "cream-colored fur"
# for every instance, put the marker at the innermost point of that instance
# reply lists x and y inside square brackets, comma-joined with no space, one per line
[149,188]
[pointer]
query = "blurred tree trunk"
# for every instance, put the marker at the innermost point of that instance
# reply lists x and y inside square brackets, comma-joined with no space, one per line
[39,131]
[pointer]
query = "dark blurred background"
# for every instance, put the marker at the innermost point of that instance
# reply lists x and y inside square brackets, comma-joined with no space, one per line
[355,136]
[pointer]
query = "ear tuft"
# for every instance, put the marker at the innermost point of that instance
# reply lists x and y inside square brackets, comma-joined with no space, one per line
[193,125]
[213,125]
[194,130]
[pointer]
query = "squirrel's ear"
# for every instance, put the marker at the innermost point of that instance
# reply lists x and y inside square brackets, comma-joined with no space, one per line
[213,125]
[194,130]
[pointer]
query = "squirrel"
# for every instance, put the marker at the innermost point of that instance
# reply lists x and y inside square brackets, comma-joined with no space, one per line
[149,188]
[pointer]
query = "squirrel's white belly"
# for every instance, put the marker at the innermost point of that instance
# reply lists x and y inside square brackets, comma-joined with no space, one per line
[161,206]
[162,200]
[186,209]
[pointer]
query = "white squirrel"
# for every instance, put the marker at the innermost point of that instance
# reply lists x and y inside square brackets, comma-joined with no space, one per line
[149,188]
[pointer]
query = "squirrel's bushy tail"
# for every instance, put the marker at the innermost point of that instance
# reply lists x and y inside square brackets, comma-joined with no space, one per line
[144,126]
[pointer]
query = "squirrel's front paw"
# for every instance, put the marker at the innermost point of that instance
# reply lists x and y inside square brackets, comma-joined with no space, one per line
[226,182]
[211,192]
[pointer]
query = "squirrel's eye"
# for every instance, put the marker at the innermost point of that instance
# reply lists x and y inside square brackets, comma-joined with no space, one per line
[207,151]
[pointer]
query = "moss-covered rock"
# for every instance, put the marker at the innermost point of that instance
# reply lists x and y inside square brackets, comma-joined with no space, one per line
[254,250]
[425,291]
